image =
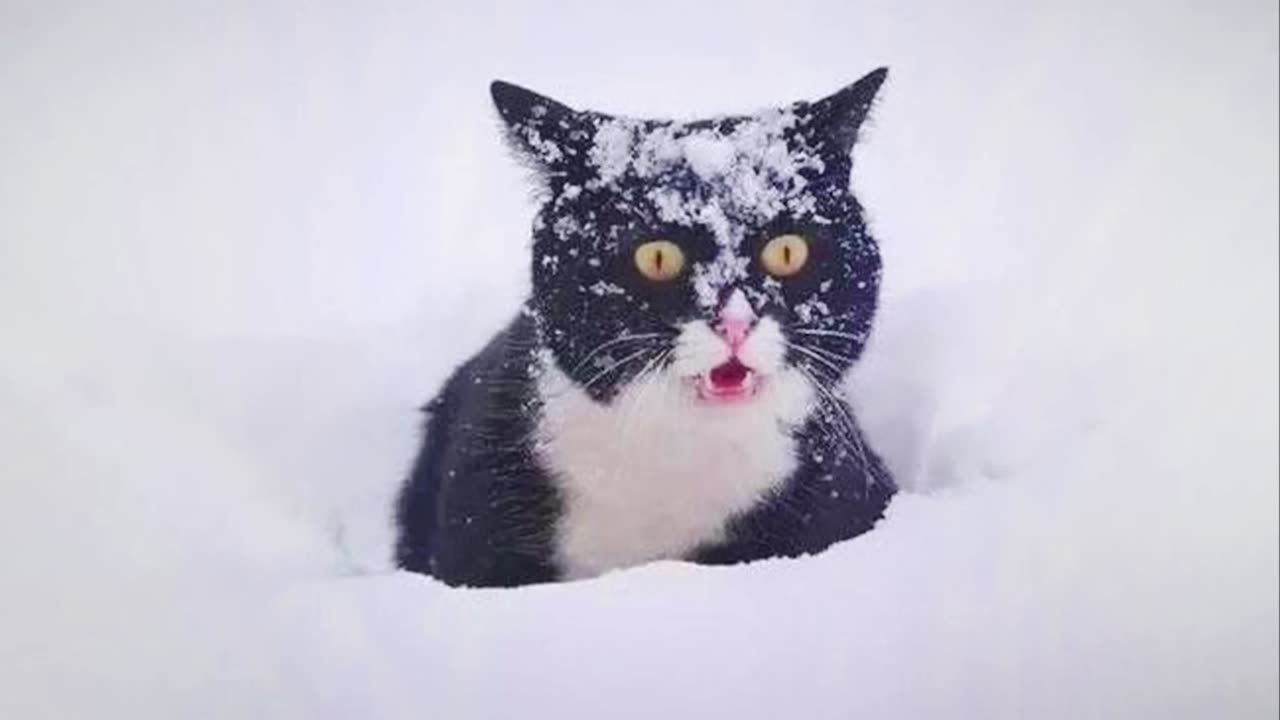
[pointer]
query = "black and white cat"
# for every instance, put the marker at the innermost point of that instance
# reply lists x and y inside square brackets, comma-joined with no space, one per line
[674,386]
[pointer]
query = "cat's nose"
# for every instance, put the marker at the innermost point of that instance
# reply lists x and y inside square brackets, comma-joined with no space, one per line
[736,320]
[734,332]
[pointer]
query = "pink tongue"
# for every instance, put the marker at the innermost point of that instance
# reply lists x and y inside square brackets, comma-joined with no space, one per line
[729,375]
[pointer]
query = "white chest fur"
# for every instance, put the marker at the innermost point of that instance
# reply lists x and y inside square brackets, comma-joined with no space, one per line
[655,474]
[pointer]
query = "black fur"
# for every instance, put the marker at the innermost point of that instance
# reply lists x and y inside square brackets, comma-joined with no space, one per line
[478,509]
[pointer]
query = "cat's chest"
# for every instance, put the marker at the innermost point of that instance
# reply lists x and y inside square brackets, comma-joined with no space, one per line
[653,474]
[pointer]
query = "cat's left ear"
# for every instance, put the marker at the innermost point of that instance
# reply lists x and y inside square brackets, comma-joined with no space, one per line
[549,134]
[836,119]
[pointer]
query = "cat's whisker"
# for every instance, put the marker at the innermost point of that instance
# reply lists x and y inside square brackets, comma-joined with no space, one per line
[635,337]
[642,381]
[829,354]
[854,433]
[606,371]
[649,377]
[828,333]
[837,316]
[821,387]
[847,434]
[808,352]
[572,386]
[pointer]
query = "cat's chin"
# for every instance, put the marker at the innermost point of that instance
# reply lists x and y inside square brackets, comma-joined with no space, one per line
[730,383]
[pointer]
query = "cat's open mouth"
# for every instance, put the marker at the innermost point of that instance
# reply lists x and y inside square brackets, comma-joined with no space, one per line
[727,382]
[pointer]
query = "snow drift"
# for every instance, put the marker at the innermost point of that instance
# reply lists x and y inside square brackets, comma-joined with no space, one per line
[238,247]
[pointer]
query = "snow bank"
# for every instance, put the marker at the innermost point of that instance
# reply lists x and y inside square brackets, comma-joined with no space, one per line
[237,248]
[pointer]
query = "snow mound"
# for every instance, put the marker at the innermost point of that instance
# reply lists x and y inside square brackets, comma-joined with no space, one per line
[236,259]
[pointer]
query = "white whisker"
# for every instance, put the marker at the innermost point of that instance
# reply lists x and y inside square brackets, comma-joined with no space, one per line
[830,333]
[829,354]
[848,431]
[611,343]
[808,352]
[596,378]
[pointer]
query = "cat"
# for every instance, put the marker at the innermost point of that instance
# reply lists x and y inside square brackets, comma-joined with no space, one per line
[672,389]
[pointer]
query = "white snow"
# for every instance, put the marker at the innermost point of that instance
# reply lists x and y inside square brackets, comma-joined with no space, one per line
[604,287]
[710,156]
[235,259]
[758,173]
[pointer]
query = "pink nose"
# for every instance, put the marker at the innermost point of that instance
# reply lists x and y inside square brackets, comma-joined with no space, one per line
[734,331]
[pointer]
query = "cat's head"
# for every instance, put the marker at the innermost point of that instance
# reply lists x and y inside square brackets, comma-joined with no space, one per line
[727,253]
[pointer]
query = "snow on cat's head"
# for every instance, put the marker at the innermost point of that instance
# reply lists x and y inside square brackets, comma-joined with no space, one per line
[726,254]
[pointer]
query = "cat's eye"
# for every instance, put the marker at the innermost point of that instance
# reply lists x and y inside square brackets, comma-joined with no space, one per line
[659,260]
[785,255]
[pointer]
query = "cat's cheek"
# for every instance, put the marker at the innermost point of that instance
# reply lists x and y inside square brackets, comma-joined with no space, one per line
[791,395]
[766,348]
[697,350]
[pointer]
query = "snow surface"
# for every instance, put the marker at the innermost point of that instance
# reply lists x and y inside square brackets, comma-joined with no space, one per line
[239,245]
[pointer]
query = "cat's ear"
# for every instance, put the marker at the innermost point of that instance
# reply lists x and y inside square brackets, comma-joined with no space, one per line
[836,119]
[549,135]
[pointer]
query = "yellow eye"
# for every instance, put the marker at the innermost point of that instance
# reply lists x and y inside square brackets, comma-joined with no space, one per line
[785,255]
[659,260]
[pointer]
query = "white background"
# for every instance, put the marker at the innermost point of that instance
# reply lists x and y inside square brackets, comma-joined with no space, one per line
[241,242]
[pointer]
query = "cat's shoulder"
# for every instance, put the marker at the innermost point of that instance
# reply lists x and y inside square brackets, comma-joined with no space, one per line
[507,355]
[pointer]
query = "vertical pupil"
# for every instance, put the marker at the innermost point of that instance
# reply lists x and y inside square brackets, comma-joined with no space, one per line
[657,261]
[786,254]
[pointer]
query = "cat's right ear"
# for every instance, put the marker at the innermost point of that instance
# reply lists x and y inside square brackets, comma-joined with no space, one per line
[550,136]
[837,119]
